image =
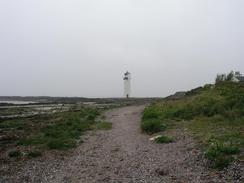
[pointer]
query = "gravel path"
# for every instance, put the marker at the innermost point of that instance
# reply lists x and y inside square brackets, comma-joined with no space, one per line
[122,154]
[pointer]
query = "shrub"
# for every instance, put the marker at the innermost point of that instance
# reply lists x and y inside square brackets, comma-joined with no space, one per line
[220,155]
[229,150]
[222,161]
[163,139]
[150,113]
[152,126]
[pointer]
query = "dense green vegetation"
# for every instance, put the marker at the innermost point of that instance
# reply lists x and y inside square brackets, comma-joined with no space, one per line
[151,126]
[214,114]
[60,131]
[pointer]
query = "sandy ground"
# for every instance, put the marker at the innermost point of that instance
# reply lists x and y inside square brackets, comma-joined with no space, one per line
[122,154]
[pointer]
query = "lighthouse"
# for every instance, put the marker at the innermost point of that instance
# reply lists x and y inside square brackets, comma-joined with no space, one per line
[127,84]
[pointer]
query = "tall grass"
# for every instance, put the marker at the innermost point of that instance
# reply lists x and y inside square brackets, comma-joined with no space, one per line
[212,113]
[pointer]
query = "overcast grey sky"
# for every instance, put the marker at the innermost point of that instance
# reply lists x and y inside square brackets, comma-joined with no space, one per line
[83,47]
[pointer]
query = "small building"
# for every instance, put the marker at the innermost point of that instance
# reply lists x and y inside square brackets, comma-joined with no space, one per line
[237,77]
[232,76]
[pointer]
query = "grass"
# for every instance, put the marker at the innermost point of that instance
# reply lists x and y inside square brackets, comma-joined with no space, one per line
[61,143]
[220,155]
[221,137]
[59,131]
[213,114]
[61,134]
[164,139]
[103,125]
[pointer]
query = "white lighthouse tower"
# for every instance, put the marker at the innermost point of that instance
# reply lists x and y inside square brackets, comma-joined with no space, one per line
[127,85]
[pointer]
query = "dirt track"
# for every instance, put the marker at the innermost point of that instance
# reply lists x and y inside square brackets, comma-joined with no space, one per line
[122,154]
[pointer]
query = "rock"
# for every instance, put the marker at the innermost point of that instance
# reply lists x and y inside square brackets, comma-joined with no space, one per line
[154,138]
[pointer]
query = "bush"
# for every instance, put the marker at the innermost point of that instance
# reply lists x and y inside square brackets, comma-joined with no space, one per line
[150,113]
[220,155]
[221,162]
[163,139]
[14,154]
[152,126]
